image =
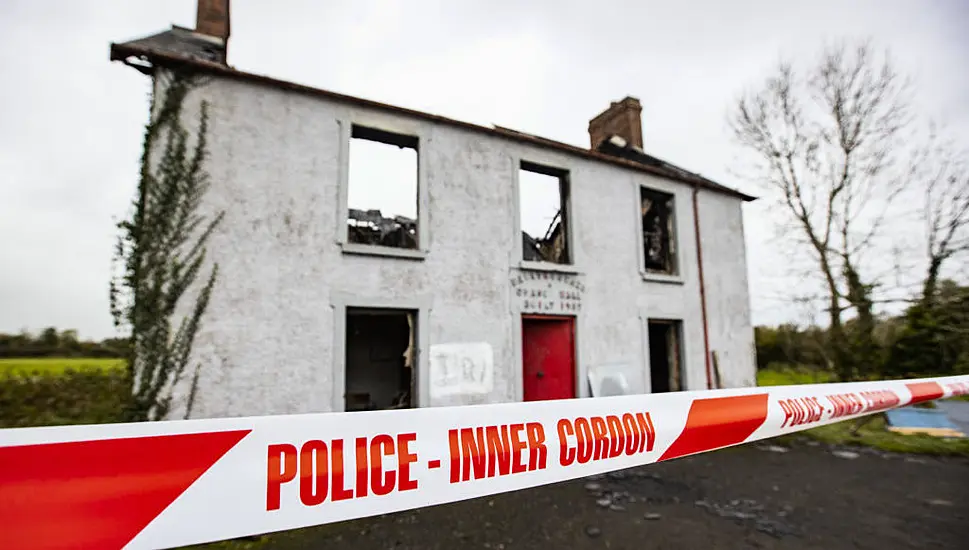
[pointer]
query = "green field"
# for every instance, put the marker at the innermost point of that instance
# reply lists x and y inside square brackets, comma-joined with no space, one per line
[53,366]
[790,375]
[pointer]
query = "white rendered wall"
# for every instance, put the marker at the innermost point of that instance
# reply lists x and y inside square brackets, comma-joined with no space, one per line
[271,341]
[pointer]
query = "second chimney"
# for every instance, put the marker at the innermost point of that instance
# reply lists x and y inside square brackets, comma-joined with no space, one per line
[623,119]
[212,19]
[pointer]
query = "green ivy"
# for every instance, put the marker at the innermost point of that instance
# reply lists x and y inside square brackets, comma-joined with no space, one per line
[161,249]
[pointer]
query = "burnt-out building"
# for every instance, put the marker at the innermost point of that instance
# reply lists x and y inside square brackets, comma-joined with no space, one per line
[375,257]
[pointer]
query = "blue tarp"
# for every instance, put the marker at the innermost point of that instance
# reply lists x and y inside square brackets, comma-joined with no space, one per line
[910,417]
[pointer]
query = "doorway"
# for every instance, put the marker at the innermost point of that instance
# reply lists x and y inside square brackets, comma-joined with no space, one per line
[379,359]
[548,357]
[665,357]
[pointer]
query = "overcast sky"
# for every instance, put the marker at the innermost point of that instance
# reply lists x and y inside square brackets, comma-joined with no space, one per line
[71,121]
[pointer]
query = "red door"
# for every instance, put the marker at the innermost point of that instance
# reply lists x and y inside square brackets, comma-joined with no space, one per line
[548,357]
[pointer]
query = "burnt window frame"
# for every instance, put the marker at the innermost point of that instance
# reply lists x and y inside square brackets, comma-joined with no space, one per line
[391,131]
[675,275]
[564,176]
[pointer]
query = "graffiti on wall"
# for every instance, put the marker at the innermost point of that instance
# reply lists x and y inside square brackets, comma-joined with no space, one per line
[461,369]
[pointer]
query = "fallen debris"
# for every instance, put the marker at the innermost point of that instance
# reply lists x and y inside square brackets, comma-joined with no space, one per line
[743,510]
[773,528]
[371,227]
[850,455]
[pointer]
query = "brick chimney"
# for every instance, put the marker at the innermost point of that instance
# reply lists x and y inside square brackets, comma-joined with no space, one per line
[213,19]
[622,119]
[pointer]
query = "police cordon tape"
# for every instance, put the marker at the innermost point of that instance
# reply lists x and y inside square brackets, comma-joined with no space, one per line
[174,483]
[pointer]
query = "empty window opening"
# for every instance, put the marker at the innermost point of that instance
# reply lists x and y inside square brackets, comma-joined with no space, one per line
[543,196]
[659,242]
[382,189]
[380,355]
[665,363]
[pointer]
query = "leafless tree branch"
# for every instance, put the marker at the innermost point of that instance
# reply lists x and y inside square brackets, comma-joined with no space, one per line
[825,143]
[945,173]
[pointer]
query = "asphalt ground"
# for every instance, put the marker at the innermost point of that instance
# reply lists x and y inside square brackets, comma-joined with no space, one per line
[798,496]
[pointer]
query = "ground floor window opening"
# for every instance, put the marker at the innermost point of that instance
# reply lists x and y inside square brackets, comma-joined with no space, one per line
[380,359]
[665,355]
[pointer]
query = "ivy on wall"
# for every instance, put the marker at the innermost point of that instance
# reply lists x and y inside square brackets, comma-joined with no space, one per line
[161,251]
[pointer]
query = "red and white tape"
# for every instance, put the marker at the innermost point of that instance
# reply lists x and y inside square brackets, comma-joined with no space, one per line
[167,484]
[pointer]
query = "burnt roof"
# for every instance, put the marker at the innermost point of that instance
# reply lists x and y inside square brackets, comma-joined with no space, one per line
[181,42]
[181,48]
[621,149]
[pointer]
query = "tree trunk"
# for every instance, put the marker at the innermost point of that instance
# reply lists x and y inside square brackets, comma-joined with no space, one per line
[931,282]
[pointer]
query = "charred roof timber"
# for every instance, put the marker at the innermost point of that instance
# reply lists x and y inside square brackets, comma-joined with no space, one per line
[617,132]
[179,42]
[371,227]
[204,49]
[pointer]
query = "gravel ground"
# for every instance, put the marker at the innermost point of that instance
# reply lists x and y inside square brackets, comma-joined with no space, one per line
[756,496]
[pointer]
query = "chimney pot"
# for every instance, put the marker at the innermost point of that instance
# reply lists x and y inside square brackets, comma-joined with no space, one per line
[623,119]
[212,19]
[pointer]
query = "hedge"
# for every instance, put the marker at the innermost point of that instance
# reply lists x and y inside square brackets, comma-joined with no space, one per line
[90,397]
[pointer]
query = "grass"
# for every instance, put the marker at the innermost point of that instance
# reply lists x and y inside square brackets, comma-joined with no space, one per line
[251,543]
[55,366]
[873,433]
[786,376]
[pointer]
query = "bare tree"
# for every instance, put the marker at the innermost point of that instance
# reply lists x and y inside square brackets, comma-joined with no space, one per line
[825,142]
[944,170]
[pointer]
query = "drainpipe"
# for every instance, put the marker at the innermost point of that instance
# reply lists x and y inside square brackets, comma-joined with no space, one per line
[703,293]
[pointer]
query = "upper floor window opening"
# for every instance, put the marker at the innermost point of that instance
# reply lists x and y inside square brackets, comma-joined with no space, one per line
[543,199]
[382,194]
[659,235]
